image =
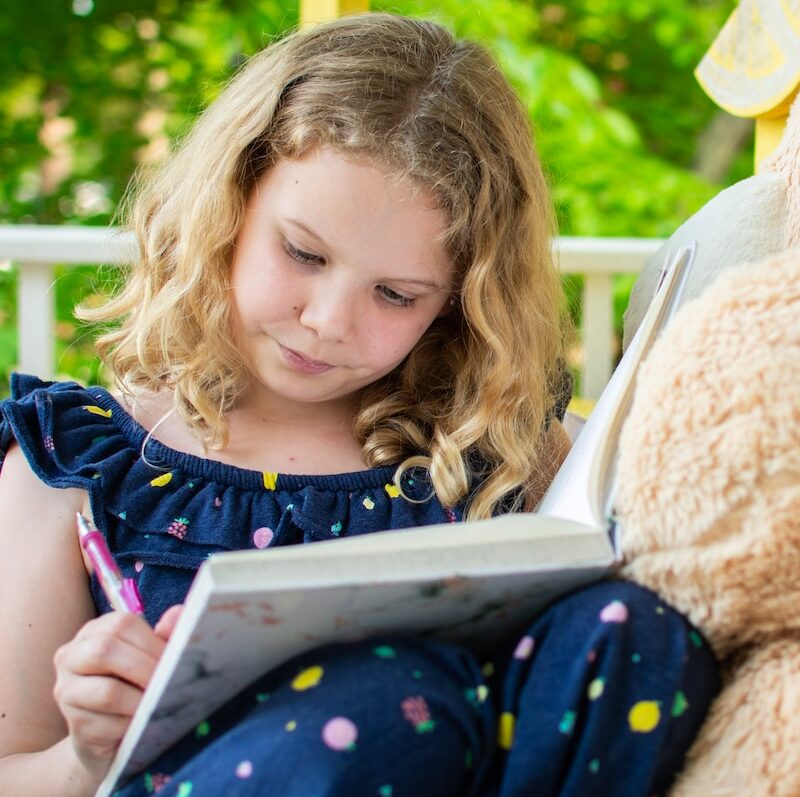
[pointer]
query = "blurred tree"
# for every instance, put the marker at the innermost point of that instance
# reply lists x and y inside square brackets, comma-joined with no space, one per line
[89,89]
[643,53]
[611,92]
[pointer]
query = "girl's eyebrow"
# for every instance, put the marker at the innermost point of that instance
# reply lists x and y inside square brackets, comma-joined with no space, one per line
[431,285]
[305,228]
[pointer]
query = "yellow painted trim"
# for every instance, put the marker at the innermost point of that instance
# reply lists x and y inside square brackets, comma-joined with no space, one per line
[581,406]
[768,135]
[505,730]
[313,12]
[767,107]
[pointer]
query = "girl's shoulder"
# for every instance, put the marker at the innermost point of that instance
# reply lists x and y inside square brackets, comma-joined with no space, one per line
[38,411]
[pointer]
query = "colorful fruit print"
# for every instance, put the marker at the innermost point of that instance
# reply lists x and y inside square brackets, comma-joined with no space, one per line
[567,723]
[644,716]
[262,537]
[340,733]
[161,481]
[596,688]
[416,711]
[178,527]
[307,679]
[615,612]
[155,781]
[95,410]
[680,705]
[505,730]
[524,648]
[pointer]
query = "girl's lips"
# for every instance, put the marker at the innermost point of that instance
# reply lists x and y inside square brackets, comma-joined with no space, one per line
[301,363]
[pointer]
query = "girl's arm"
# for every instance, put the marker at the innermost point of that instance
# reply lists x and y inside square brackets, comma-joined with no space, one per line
[554,452]
[557,447]
[50,641]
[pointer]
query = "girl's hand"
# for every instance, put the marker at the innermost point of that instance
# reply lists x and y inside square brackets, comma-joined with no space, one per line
[166,624]
[100,676]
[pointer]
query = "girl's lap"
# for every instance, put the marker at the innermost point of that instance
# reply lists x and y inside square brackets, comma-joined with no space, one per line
[379,717]
[606,690]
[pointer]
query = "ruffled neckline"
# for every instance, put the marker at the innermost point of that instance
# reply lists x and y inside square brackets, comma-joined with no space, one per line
[162,456]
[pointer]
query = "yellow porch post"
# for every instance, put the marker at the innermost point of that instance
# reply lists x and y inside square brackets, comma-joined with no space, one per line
[314,11]
[769,128]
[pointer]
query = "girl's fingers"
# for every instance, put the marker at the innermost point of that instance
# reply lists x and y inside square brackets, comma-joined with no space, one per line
[131,627]
[166,624]
[98,695]
[124,647]
[100,676]
[105,656]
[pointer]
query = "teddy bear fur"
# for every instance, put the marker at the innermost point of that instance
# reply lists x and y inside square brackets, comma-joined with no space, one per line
[709,503]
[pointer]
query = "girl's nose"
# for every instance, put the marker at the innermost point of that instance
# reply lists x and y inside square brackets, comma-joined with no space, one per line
[329,311]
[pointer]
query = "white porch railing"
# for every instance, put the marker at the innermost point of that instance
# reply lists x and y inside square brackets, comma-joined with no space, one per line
[36,249]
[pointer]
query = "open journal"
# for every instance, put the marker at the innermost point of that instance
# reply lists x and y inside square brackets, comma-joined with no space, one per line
[475,583]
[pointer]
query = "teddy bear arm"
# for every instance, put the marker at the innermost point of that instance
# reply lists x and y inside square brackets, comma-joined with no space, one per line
[750,741]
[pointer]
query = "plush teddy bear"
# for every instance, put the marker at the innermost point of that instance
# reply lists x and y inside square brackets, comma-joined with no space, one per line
[709,503]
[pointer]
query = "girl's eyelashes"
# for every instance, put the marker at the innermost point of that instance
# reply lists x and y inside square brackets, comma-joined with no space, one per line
[393,297]
[303,257]
[384,291]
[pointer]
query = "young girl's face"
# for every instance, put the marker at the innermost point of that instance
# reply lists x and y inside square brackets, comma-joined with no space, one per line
[337,274]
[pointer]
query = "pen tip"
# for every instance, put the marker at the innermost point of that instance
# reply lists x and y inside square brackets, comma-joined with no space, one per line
[83,524]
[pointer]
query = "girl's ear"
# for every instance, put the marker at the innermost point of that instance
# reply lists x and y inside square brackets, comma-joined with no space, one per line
[448,306]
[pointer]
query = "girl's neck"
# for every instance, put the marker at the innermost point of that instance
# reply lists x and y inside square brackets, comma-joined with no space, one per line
[279,437]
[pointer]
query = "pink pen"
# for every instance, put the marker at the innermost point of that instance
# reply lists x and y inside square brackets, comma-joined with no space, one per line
[121,592]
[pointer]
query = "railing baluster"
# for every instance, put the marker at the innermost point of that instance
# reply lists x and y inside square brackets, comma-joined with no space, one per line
[597,334]
[36,319]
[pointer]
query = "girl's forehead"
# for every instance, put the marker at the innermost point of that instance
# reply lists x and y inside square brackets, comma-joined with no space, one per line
[349,202]
[325,172]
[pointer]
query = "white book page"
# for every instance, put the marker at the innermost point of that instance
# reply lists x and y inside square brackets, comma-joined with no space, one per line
[582,488]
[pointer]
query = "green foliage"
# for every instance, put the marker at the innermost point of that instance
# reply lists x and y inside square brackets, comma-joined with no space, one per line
[90,90]
[8,320]
[612,98]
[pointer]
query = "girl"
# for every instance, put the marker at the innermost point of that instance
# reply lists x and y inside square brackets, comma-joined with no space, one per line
[344,273]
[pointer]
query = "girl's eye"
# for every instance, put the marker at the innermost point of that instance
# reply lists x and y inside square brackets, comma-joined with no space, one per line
[303,257]
[393,297]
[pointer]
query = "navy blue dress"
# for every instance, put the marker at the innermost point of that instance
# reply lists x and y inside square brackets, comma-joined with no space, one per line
[603,695]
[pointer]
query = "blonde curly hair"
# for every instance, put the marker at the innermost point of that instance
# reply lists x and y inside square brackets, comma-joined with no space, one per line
[472,400]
